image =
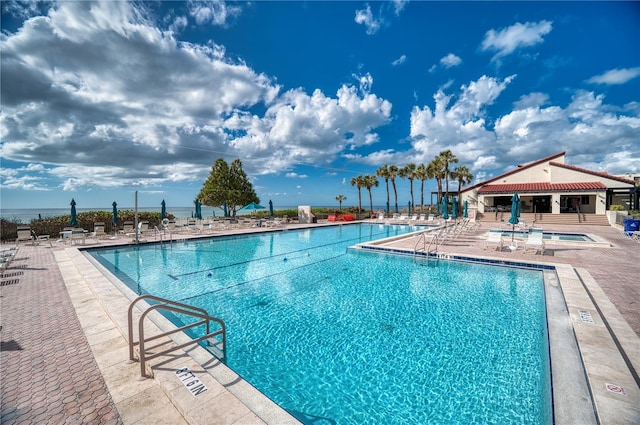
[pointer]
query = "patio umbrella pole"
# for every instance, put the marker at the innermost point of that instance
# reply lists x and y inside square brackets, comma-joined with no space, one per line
[136,216]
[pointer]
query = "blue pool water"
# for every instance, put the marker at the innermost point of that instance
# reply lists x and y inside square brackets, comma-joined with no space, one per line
[346,337]
[568,237]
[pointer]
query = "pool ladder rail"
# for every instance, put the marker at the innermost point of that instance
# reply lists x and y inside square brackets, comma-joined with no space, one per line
[216,339]
[424,251]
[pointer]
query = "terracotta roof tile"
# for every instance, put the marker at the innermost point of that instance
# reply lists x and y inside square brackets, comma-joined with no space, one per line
[541,187]
[595,173]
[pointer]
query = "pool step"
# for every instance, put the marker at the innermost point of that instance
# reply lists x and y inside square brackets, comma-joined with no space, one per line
[608,347]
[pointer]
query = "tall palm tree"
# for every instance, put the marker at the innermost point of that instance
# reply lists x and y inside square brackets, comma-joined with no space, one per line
[341,198]
[437,169]
[447,157]
[463,176]
[393,173]
[384,173]
[408,172]
[421,174]
[358,182]
[370,181]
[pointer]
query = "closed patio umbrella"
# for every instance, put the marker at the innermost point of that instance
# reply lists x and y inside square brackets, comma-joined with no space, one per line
[270,208]
[224,208]
[515,215]
[465,211]
[74,219]
[198,212]
[454,208]
[163,211]
[114,212]
[445,207]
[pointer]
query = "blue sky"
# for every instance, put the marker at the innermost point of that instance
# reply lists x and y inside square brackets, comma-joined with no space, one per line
[102,99]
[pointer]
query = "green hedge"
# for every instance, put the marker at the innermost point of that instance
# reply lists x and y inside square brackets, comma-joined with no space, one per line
[53,226]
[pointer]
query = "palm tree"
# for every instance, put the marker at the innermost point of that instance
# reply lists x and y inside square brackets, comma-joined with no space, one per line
[393,173]
[437,169]
[384,173]
[408,172]
[358,182]
[447,157]
[463,176]
[421,174]
[341,198]
[370,181]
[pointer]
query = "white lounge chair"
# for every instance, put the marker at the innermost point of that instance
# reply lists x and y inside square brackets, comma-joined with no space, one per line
[127,228]
[40,238]
[98,231]
[494,239]
[24,234]
[534,242]
[78,234]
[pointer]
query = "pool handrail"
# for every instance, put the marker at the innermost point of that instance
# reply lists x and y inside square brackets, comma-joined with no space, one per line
[175,307]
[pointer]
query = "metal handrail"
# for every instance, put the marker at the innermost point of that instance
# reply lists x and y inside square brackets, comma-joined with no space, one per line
[424,242]
[434,238]
[176,307]
[426,249]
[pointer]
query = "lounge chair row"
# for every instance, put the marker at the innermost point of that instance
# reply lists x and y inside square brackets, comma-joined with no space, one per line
[405,218]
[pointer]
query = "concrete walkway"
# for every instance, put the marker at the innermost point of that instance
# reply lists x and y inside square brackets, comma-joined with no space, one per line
[63,356]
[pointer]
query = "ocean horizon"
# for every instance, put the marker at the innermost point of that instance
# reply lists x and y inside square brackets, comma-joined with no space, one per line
[25,215]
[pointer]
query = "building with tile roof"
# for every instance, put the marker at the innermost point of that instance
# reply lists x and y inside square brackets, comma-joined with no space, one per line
[549,186]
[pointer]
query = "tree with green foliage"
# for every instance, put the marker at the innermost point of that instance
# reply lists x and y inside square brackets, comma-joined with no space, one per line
[422,174]
[393,173]
[341,198]
[370,181]
[463,175]
[446,159]
[437,171]
[358,182]
[384,173]
[408,172]
[227,184]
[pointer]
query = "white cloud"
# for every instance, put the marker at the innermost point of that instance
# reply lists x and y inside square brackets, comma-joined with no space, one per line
[164,112]
[215,12]
[366,18]
[402,59]
[450,61]
[25,9]
[296,176]
[615,76]
[507,40]
[178,24]
[531,131]
[399,5]
[531,100]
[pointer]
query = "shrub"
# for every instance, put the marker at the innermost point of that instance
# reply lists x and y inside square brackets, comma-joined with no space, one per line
[53,225]
[616,207]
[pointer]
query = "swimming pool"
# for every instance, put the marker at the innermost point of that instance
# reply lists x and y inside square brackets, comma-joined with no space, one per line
[334,335]
[551,236]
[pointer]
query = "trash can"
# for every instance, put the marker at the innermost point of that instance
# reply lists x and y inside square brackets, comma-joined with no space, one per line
[631,225]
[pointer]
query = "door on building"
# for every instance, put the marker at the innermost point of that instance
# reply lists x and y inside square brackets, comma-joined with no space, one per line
[542,204]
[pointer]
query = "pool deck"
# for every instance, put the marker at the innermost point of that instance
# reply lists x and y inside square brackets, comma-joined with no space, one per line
[65,355]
